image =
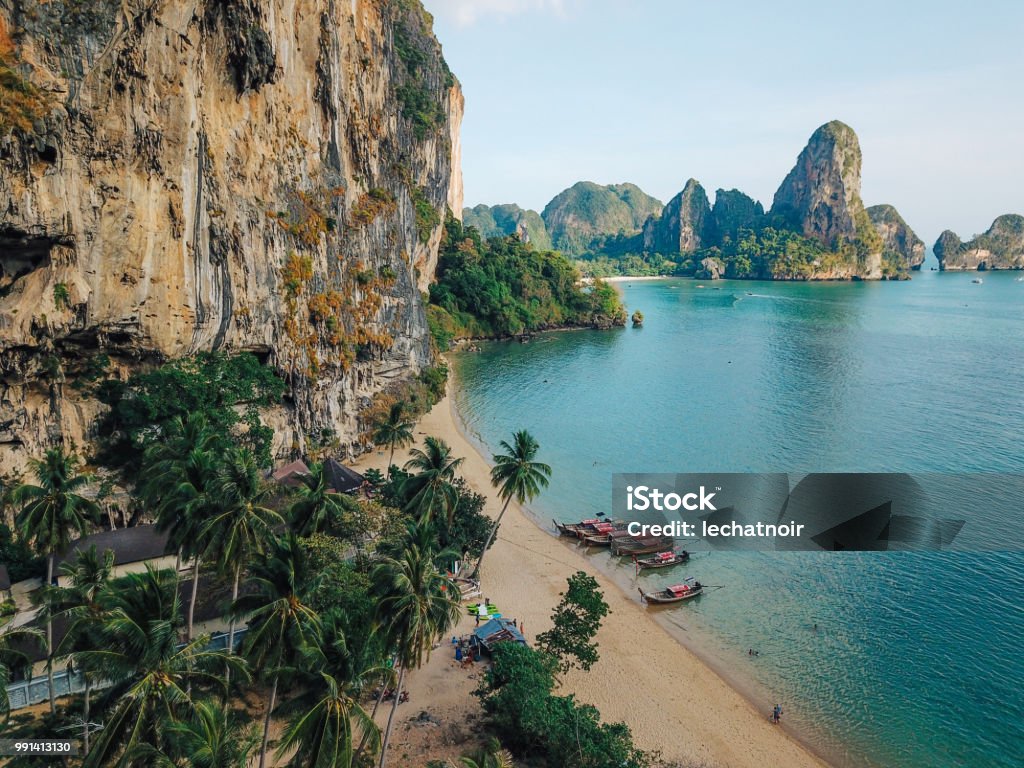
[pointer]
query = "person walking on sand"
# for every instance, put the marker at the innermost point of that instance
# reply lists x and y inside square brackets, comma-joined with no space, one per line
[776,714]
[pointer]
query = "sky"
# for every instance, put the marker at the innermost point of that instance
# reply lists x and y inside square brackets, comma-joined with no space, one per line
[729,91]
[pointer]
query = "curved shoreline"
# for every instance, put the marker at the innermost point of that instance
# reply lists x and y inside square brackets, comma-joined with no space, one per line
[674,701]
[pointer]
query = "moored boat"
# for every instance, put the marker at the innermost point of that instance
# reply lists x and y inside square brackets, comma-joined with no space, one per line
[647,546]
[597,540]
[674,594]
[662,559]
[567,529]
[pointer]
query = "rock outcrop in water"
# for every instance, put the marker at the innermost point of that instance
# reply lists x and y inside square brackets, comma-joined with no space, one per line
[898,239]
[685,224]
[221,175]
[1001,246]
[583,213]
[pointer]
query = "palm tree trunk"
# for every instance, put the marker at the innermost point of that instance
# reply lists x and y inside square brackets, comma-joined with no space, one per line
[373,714]
[49,634]
[490,538]
[391,459]
[85,725]
[391,718]
[231,628]
[192,601]
[266,724]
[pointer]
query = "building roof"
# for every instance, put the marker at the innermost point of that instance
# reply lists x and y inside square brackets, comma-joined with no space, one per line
[496,631]
[129,545]
[289,473]
[341,478]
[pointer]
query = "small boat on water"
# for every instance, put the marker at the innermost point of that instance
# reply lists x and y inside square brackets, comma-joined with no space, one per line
[597,540]
[584,527]
[977,280]
[662,559]
[567,529]
[649,546]
[674,594]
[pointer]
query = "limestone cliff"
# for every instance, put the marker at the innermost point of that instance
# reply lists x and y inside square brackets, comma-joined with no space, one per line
[898,240]
[264,175]
[820,199]
[685,224]
[733,210]
[1001,246]
[583,213]
[821,195]
[509,219]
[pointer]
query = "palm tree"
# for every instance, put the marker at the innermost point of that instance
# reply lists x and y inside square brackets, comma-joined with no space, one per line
[213,737]
[491,756]
[80,605]
[322,736]
[51,512]
[282,629]
[393,430]
[150,672]
[430,492]
[317,508]
[415,607]
[517,476]
[13,658]
[242,527]
[181,472]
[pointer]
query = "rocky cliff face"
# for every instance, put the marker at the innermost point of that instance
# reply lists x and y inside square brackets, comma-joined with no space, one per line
[1000,247]
[264,175]
[579,215]
[821,195]
[733,210]
[509,219]
[820,199]
[898,239]
[684,226]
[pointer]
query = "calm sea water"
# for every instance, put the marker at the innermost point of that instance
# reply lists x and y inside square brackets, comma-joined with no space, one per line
[879,659]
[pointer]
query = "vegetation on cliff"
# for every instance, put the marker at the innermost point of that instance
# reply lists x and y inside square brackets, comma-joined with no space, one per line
[1001,246]
[586,211]
[503,287]
[508,219]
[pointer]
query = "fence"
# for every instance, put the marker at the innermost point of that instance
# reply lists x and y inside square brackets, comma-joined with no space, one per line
[65,682]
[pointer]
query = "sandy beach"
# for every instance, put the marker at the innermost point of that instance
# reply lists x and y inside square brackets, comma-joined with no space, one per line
[671,700]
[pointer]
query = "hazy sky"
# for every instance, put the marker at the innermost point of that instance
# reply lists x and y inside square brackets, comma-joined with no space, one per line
[728,91]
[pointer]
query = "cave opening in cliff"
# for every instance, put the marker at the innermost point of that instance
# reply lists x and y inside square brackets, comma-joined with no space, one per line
[20,254]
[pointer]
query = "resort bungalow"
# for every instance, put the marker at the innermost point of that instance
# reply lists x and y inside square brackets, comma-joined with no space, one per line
[133,549]
[341,478]
[290,474]
[495,631]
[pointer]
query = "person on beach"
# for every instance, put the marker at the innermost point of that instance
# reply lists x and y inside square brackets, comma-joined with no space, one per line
[776,714]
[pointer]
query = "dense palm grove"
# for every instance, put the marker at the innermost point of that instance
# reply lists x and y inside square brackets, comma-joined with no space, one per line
[339,596]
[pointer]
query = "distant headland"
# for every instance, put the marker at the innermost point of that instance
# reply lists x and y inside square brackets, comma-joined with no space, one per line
[817,228]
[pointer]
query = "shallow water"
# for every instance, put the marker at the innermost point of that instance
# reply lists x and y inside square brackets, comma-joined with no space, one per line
[917,658]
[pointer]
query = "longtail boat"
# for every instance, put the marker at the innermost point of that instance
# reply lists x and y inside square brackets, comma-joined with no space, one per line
[567,529]
[649,546]
[674,594]
[601,536]
[662,559]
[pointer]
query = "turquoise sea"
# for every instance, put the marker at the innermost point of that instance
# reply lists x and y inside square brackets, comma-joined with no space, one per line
[879,659]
